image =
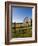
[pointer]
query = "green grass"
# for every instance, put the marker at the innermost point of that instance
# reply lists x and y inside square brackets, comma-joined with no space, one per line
[21,32]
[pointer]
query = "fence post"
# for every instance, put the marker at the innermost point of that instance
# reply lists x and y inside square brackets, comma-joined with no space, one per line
[15,29]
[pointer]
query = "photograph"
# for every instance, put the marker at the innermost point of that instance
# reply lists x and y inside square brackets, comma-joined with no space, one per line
[21,25]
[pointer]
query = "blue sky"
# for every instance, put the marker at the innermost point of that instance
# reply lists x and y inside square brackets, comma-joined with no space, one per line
[19,13]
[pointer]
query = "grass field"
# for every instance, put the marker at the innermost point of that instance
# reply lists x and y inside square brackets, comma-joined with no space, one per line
[21,32]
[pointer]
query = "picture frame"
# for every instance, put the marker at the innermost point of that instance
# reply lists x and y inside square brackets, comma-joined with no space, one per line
[8,21]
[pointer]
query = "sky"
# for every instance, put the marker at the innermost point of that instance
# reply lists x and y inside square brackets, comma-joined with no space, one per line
[19,13]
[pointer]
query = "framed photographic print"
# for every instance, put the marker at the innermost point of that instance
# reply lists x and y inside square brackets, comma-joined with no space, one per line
[20,22]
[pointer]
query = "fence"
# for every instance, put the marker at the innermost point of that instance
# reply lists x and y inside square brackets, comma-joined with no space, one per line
[22,31]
